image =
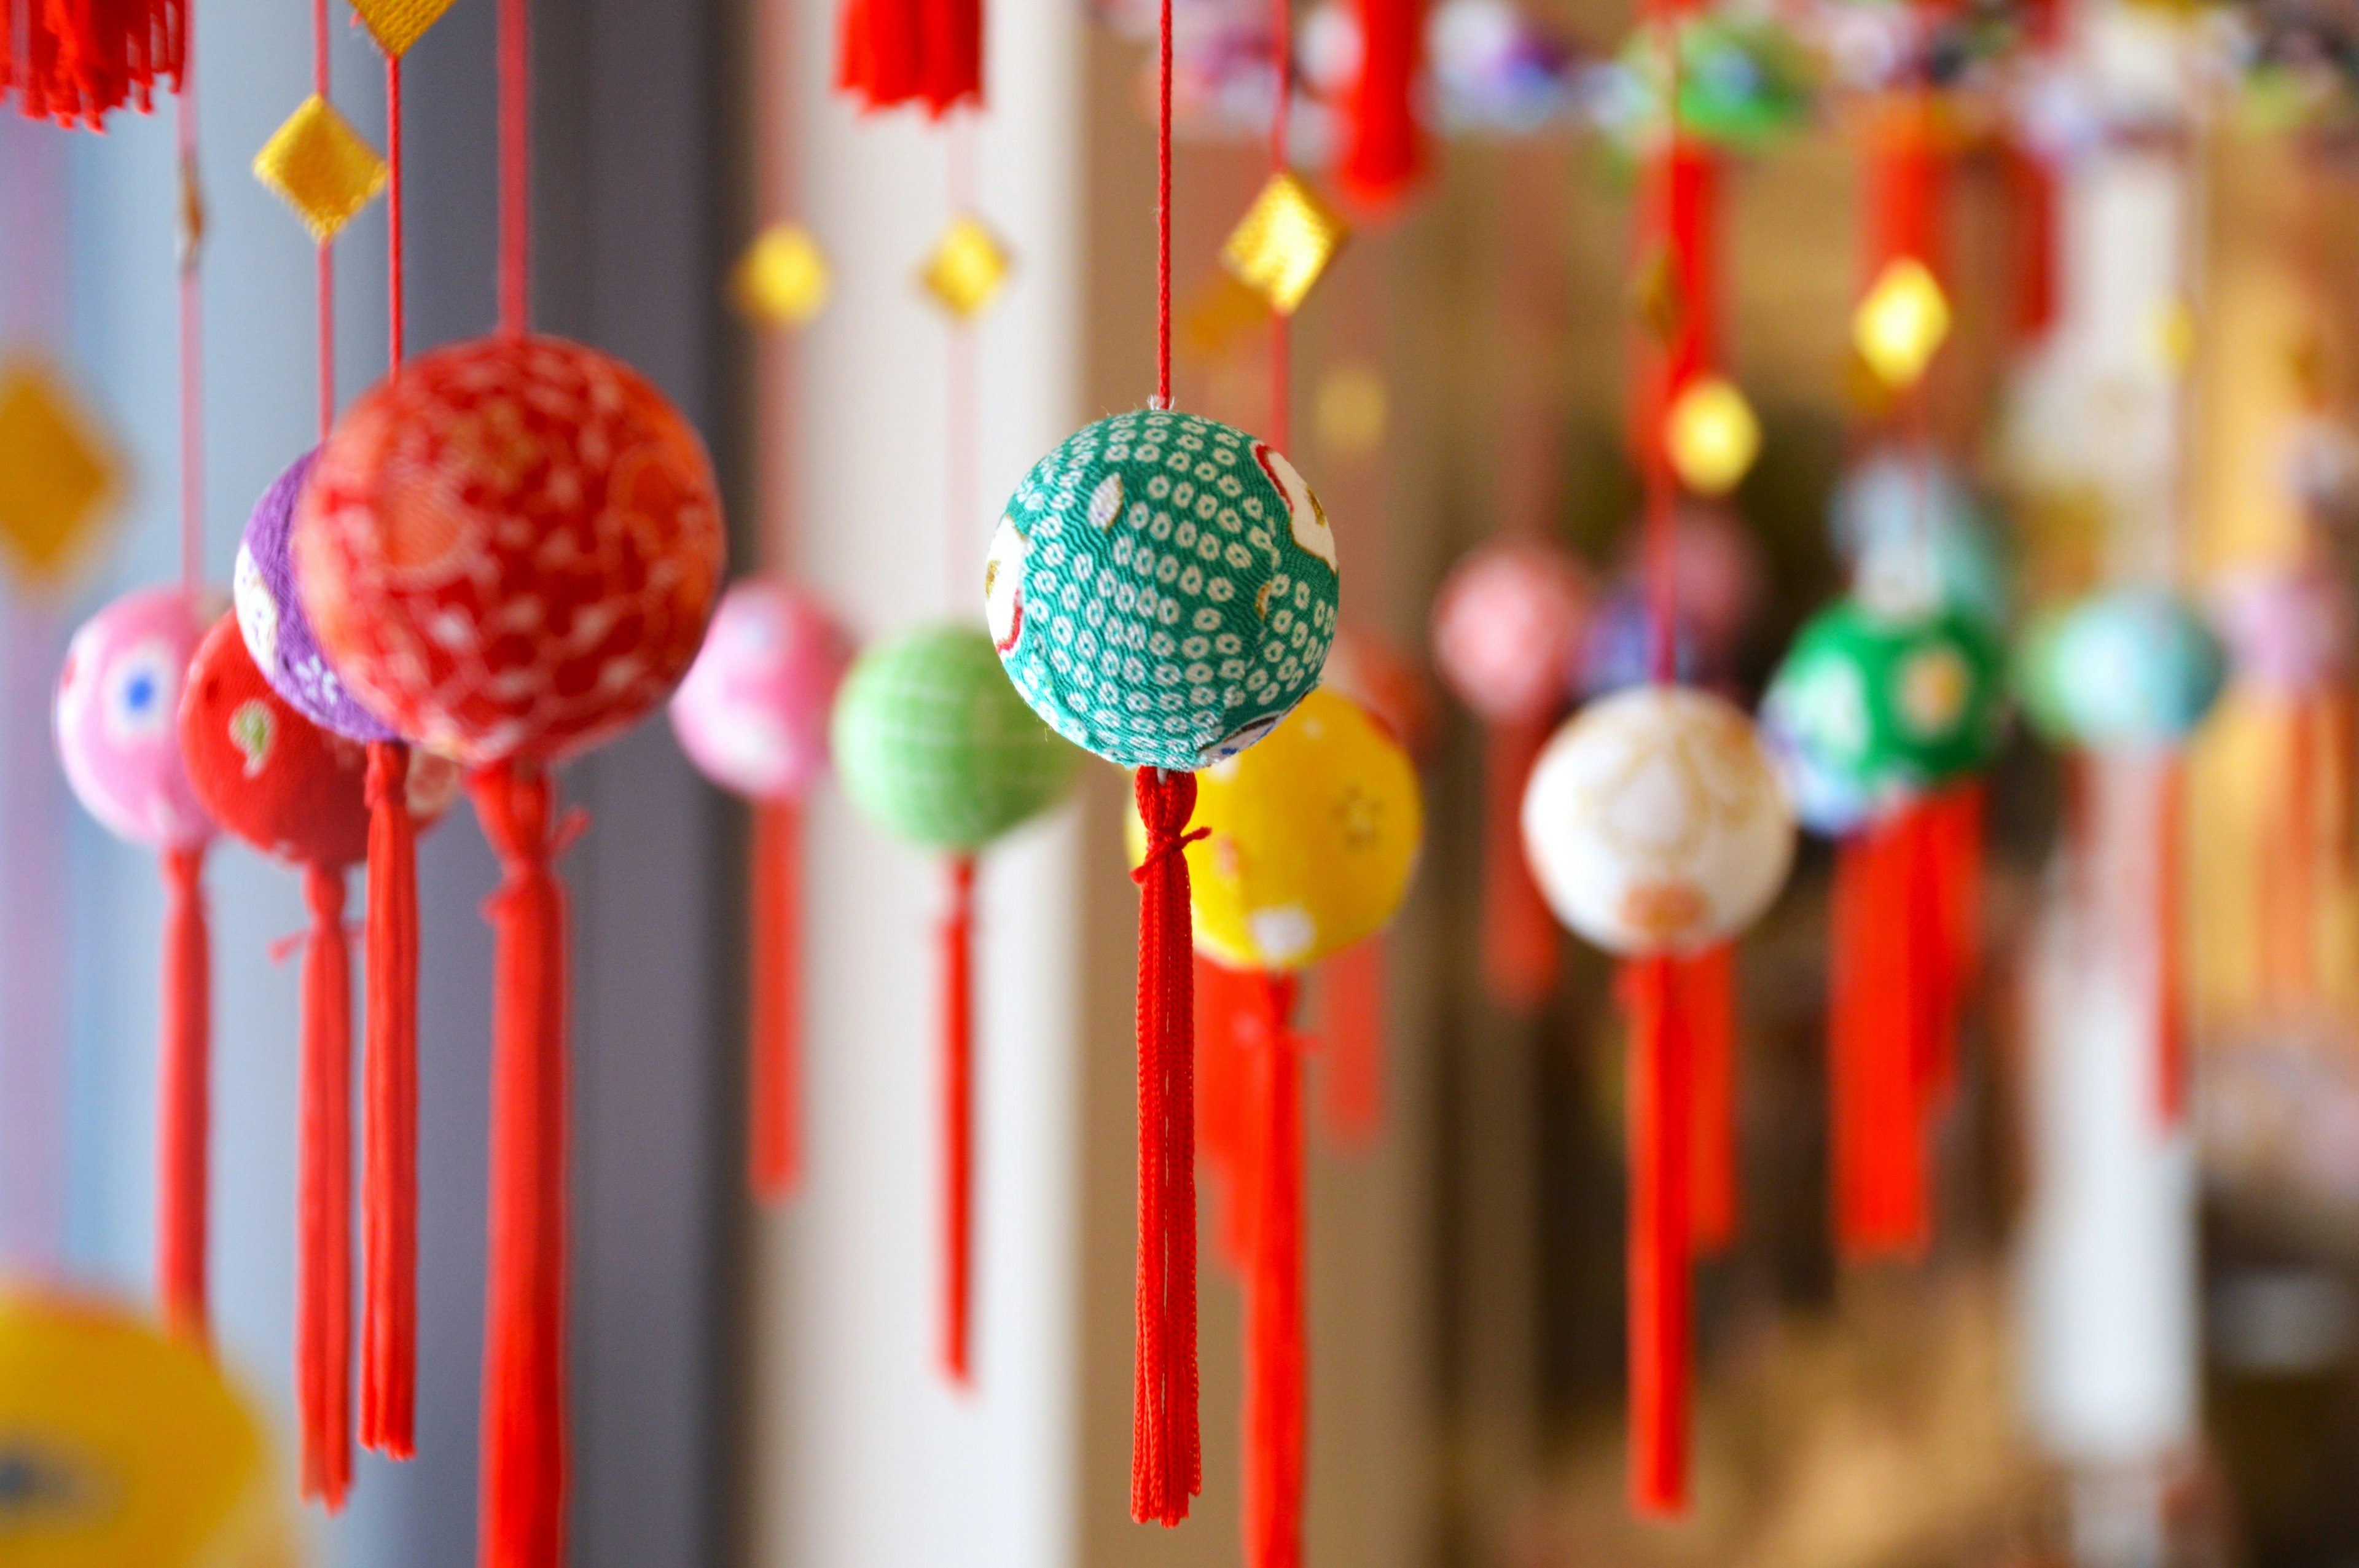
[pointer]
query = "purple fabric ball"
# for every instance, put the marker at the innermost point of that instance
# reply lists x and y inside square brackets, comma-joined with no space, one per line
[271,621]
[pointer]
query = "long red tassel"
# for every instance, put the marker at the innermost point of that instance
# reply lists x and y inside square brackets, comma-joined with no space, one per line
[523,1419]
[958,1122]
[774,1075]
[1381,149]
[1352,1021]
[1708,999]
[74,60]
[390,1127]
[184,1096]
[1277,1348]
[1662,1113]
[1879,1051]
[1167,1452]
[1223,1000]
[1519,936]
[323,1319]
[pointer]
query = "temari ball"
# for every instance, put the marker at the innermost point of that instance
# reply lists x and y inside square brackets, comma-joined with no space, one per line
[271,616]
[117,713]
[753,712]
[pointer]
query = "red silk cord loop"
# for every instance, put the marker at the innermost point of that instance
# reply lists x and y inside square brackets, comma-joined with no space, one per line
[323,1320]
[774,1134]
[388,1422]
[523,1414]
[184,1098]
[958,1123]
[1277,1349]
[1660,1240]
[1167,1450]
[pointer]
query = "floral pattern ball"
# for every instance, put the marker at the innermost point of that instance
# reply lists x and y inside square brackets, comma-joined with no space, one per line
[117,700]
[271,616]
[510,549]
[1162,590]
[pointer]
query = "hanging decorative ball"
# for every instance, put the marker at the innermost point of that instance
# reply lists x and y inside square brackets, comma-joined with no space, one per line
[1915,540]
[294,790]
[1654,822]
[2288,627]
[509,548]
[754,710]
[270,615]
[1868,709]
[1314,835]
[1507,624]
[2135,668]
[1372,673]
[933,745]
[117,704]
[1162,590]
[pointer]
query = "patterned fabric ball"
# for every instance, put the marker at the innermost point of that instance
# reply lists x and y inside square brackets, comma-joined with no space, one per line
[1313,836]
[753,712]
[2135,668]
[2288,628]
[1654,822]
[935,747]
[510,548]
[1506,626]
[271,616]
[1163,590]
[293,790]
[1916,542]
[117,703]
[1867,709]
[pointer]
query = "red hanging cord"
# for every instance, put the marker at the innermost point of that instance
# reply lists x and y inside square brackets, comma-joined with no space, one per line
[1277,1349]
[326,292]
[1660,1240]
[395,290]
[1708,1001]
[323,1322]
[192,346]
[1281,371]
[516,167]
[958,1123]
[773,1136]
[184,1096]
[1163,207]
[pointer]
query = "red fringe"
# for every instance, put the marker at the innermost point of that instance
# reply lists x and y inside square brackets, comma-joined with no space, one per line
[1352,1009]
[1662,1113]
[75,61]
[1275,1392]
[773,1076]
[1708,1000]
[389,1188]
[323,1318]
[184,1096]
[890,52]
[1381,145]
[1166,1451]
[958,1122]
[524,1420]
[1519,936]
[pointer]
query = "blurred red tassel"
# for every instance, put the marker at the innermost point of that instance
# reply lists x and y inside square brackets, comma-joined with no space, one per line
[774,1075]
[323,1318]
[389,1126]
[1903,187]
[958,1122]
[1519,935]
[2034,205]
[184,1096]
[1381,145]
[891,53]
[1276,1390]
[1708,1000]
[1352,1020]
[1662,1114]
[1880,1043]
[75,61]
[1223,998]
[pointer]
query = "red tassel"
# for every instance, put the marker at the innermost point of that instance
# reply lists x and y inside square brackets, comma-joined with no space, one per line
[524,1420]
[1166,1464]
[890,52]
[323,1319]
[1276,1390]
[774,1077]
[1903,187]
[1381,151]
[958,1120]
[1683,204]
[1878,1045]
[1351,1002]
[1949,900]
[1222,1001]
[389,1190]
[1661,1114]
[1518,934]
[2169,997]
[75,61]
[2035,203]
[1708,999]
[184,1096]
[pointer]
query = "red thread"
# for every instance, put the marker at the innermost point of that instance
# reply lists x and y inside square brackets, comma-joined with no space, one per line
[389,1129]
[523,1419]
[516,167]
[192,354]
[323,1325]
[184,1096]
[1661,1114]
[1351,1009]
[958,1123]
[1277,1351]
[1281,372]
[396,291]
[1163,208]
[1708,1003]
[75,63]
[1519,936]
[773,1136]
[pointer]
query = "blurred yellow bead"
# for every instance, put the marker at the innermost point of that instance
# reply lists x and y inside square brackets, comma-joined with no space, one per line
[1711,436]
[57,474]
[1900,325]
[1351,405]
[319,166]
[966,269]
[1284,243]
[782,280]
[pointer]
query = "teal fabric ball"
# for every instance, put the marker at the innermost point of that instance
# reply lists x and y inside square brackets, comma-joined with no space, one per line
[1162,590]
[2134,669]
[934,746]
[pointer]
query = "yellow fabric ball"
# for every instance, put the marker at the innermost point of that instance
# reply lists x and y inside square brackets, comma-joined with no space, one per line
[1313,836]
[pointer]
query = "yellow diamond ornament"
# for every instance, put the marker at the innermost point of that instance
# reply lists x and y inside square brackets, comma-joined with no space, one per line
[967,268]
[1283,242]
[58,474]
[1351,403]
[1711,436]
[398,23]
[782,280]
[1900,325]
[319,166]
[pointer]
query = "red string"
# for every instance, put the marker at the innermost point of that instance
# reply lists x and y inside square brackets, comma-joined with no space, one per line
[396,293]
[773,1137]
[516,167]
[184,1096]
[1281,372]
[192,356]
[323,1325]
[1351,1009]
[1707,1006]
[1276,1350]
[327,264]
[965,423]
[389,1130]
[958,1123]
[1660,1241]
[1163,210]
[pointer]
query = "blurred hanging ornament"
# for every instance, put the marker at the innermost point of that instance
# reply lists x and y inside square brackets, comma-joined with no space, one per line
[118,697]
[58,475]
[1901,322]
[1382,147]
[2288,627]
[1915,540]
[891,53]
[1742,83]
[1507,624]
[2134,669]
[1281,246]
[75,61]
[277,632]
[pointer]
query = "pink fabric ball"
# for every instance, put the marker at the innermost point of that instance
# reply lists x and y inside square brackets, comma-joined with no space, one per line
[118,710]
[753,712]
[2288,627]
[1506,625]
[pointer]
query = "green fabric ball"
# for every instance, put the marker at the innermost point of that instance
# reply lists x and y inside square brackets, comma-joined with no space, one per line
[1887,706]
[1162,590]
[934,746]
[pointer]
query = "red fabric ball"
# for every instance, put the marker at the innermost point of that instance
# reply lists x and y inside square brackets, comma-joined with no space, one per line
[509,549]
[292,790]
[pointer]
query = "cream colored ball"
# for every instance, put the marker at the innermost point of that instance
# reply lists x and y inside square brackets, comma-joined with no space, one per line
[1654,822]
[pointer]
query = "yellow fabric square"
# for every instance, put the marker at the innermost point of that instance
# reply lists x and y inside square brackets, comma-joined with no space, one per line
[319,166]
[398,23]
[1899,326]
[1283,242]
[57,473]
[782,280]
[966,270]
[1711,436]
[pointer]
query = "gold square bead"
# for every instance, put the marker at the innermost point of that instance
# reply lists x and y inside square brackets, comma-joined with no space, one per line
[1283,242]
[57,473]
[398,23]
[1711,436]
[782,280]
[1899,325]
[966,268]
[319,166]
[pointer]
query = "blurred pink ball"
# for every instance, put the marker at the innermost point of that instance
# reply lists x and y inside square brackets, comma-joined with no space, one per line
[2288,627]
[1506,625]
[1719,577]
[753,712]
[118,715]
[1365,668]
